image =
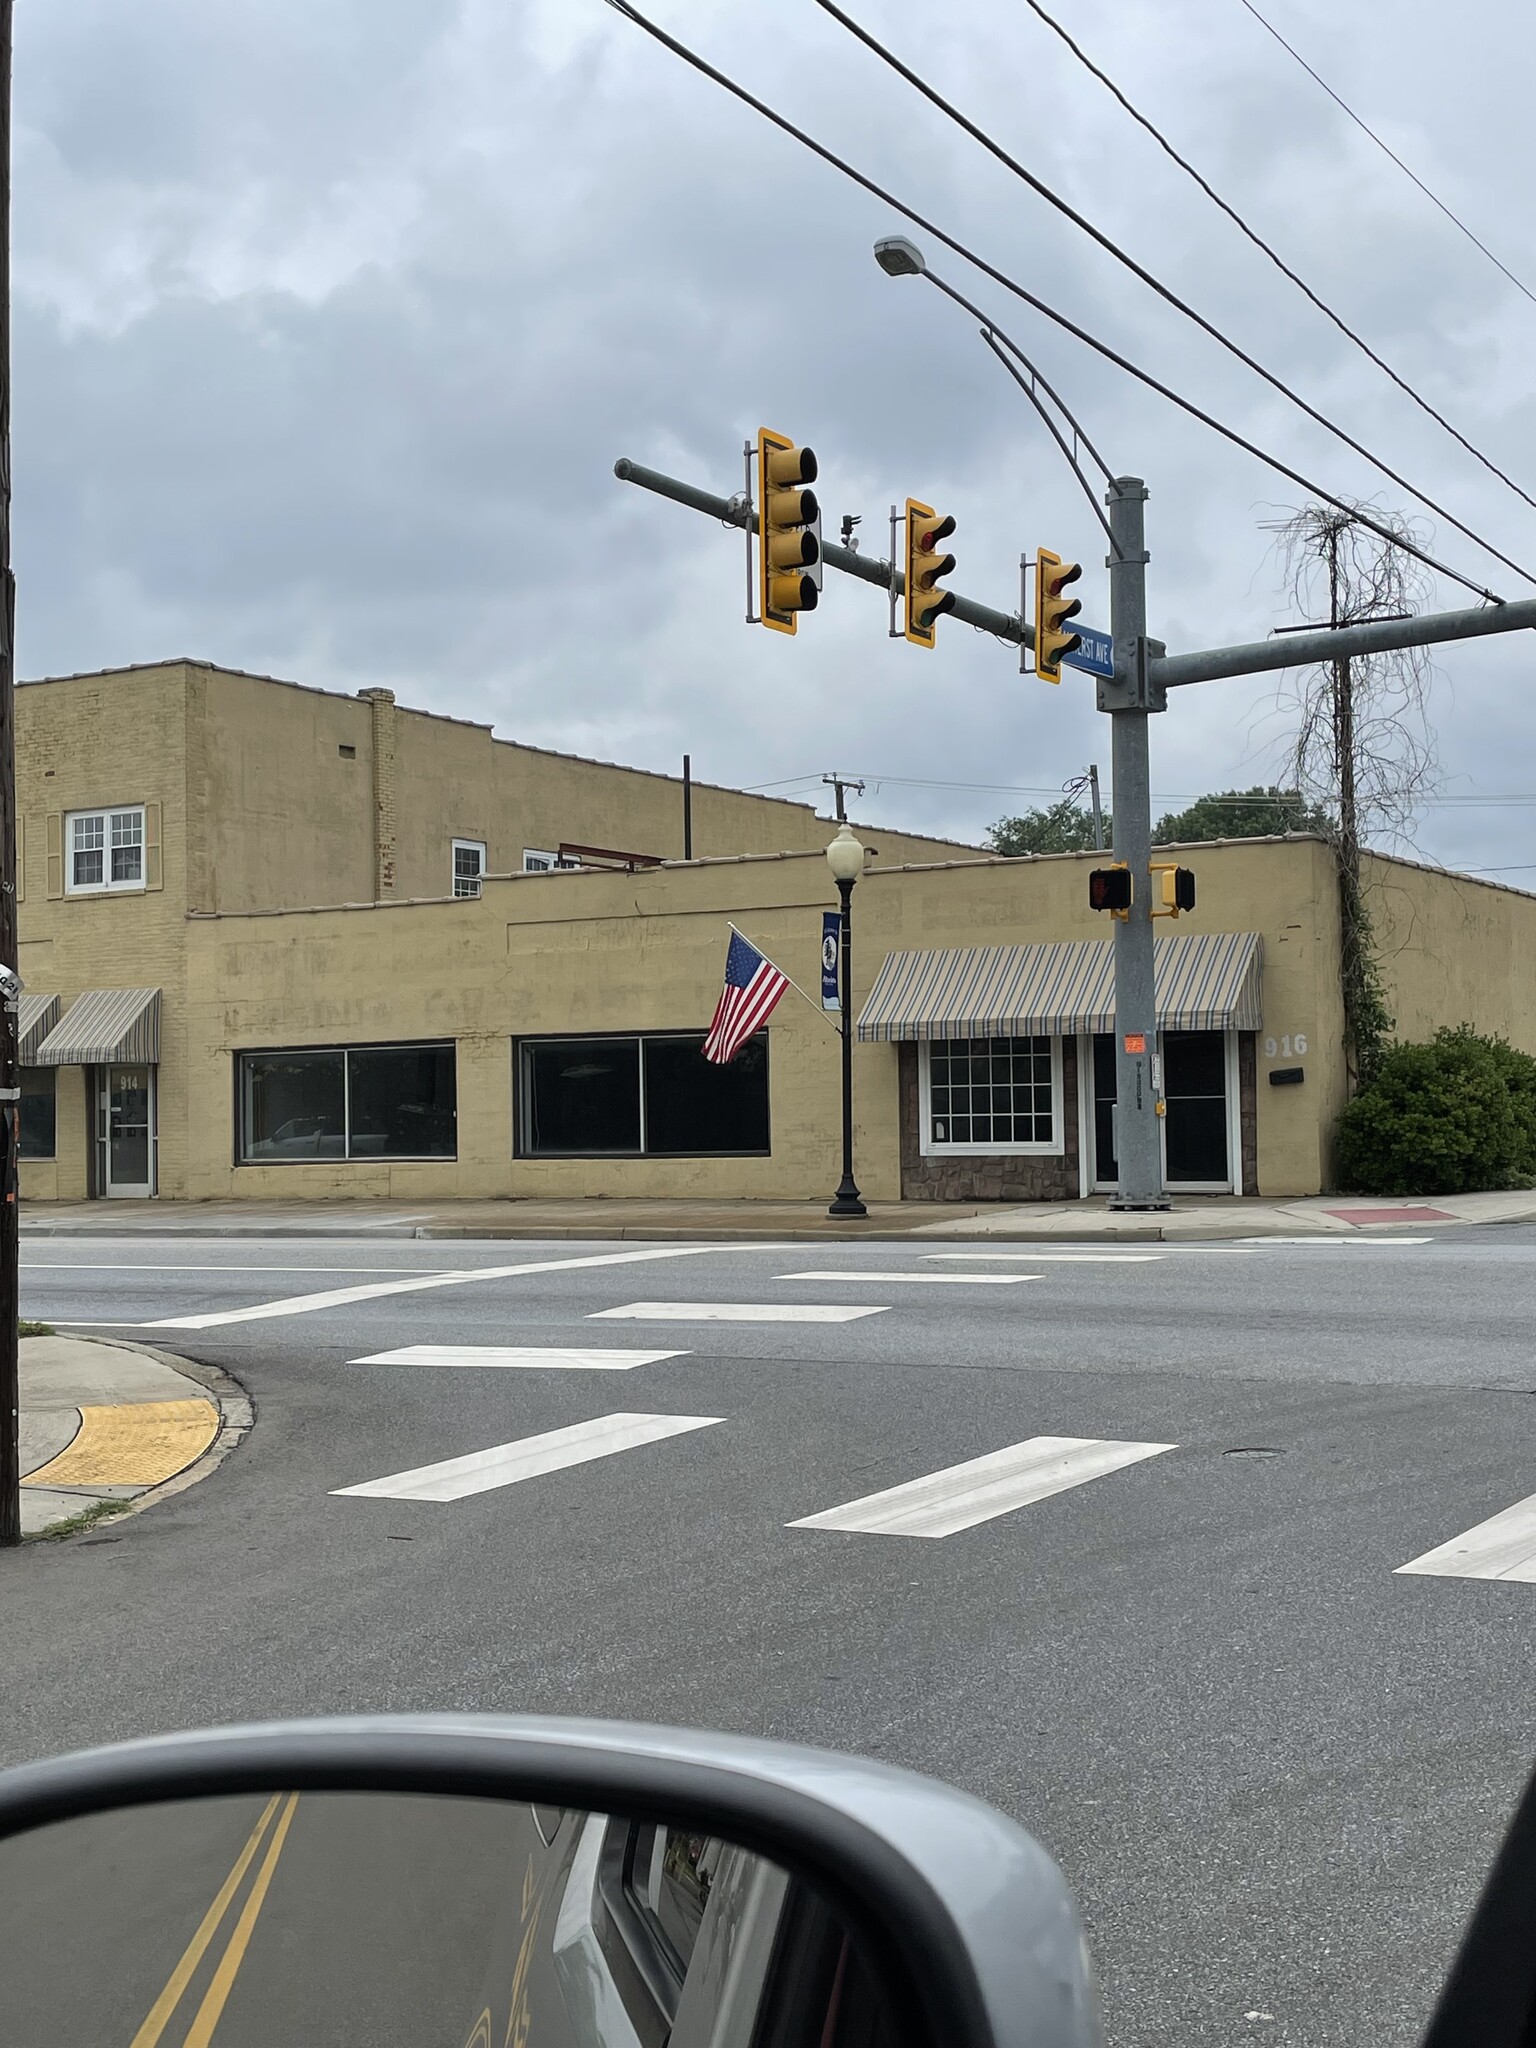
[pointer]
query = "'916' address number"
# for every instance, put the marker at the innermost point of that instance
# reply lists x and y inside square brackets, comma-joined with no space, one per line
[1295,1045]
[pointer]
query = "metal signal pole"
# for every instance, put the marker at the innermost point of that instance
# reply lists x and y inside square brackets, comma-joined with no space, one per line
[10,1275]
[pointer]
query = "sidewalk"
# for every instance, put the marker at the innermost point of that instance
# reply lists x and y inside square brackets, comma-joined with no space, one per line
[1191,1219]
[106,1428]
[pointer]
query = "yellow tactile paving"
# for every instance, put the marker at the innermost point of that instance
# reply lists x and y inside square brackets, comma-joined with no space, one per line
[134,1443]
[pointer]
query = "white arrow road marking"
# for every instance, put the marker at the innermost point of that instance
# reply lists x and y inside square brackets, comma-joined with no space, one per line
[529,1458]
[983,1488]
[562,1358]
[866,1276]
[1503,1547]
[1059,1258]
[339,1297]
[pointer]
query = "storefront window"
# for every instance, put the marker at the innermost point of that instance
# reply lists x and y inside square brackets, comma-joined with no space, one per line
[992,1095]
[359,1102]
[38,1098]
[654,1097]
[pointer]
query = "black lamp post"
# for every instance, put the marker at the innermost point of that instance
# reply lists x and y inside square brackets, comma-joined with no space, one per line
[845,857]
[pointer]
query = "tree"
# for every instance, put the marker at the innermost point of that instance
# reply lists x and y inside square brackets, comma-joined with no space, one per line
[1363,750]
[1058,828]
[1243,814]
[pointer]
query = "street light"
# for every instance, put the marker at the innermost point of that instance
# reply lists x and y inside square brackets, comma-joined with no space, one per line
[845,857]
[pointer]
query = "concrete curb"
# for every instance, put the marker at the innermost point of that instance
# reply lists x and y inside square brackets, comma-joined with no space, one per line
[237,1416]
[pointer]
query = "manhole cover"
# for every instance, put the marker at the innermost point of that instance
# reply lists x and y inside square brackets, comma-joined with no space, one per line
[1254,1451]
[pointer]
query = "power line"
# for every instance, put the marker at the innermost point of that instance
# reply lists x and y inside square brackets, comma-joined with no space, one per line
[1455,220]
[1274,255]
[1163,291]
[1102,348]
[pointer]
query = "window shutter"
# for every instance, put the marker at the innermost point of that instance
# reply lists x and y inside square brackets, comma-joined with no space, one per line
[55,853]
[21,859]
[154,867]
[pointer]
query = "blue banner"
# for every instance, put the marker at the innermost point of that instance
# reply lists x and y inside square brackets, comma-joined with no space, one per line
[831,944]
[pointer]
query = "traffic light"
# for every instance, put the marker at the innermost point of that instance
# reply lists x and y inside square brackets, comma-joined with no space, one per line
[1052,611]
[1110,889]
[1176,888]
[925,602]
[788,551]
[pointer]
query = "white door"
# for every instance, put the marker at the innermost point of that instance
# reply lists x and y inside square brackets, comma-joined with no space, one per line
[125,1131]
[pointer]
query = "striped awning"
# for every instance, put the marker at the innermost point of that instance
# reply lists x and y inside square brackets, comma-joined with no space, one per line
[1206,981]
[35,1018]
[104,1026]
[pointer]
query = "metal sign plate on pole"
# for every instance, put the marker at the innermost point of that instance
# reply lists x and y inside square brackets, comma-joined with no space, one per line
[1097,653]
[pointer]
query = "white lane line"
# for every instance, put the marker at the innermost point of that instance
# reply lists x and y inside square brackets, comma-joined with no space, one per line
[983,1488]
[864,1276]
[234,1272]
[529,1458]
[729,1312]
[1343,1237]
[561,1358]
[339,1297]
[1059,1258]
[1503,1547]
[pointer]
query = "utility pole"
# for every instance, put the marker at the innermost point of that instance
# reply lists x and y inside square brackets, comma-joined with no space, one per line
[687,807]
[1129,698]
[10,1263]
[839,784]
[1098,808]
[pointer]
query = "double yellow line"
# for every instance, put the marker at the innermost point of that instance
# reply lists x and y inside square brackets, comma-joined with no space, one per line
[208,2014]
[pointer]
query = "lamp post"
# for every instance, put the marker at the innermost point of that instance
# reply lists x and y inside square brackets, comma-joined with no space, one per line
[845,857]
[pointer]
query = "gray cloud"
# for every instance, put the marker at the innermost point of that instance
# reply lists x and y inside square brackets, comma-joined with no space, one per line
[331,323]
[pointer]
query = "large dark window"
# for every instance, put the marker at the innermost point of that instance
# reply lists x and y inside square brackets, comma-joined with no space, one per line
[360,1102]
[37,1112]
[653,1097]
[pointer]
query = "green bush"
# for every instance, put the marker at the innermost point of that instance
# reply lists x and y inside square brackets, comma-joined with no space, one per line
[1446,1118]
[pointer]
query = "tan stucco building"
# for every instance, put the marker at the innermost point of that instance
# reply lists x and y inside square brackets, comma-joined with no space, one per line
[281,942]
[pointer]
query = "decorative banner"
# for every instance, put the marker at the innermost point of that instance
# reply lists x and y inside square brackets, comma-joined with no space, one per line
[831,943]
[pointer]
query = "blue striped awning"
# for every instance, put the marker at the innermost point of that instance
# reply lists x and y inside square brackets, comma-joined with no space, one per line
[103,1027]
[1206,981]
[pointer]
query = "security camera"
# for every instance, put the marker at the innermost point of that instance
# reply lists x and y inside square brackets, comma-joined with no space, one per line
[11,983]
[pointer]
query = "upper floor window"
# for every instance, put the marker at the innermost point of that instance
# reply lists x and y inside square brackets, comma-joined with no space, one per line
[468,866]
[536,862]
[104,850]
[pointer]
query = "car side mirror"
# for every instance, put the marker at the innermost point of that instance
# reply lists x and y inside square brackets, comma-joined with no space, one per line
[1489,2000]
[477,1882]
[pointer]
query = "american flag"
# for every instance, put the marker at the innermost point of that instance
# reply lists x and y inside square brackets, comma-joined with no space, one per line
[752,986]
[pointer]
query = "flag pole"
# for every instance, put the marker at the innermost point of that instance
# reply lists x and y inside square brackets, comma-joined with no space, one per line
[826,1015]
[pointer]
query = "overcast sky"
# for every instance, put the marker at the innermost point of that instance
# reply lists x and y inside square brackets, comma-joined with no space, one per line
[332,316]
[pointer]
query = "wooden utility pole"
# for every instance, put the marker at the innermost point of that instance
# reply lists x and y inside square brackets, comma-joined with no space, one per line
[10,1112]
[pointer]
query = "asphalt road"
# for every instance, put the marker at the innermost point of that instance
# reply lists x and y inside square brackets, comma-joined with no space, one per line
[1273,1766]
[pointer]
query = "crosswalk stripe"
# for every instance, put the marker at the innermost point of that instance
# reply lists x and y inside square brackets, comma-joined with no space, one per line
[1503,1547]
[1059,1258]
[863,1275]
[730,1312]
[942,1503]
[529,1458]
[340,1297]
[558,1357]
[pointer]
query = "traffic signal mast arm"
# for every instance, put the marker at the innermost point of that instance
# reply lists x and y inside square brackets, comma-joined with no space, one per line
[735,512]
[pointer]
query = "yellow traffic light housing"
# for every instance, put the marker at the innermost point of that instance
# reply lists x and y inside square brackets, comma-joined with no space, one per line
[1111,889]
[1052,611]
[788,550]
[925,602]
[1176,888]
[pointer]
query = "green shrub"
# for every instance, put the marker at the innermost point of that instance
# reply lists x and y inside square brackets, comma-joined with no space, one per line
[1446,1118]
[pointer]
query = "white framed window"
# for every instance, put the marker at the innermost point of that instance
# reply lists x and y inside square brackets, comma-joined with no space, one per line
[468,866]
[537,863]
[990,1096]
[104,850]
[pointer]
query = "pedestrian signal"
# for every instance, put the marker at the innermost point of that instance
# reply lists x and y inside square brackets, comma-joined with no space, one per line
[1110,889]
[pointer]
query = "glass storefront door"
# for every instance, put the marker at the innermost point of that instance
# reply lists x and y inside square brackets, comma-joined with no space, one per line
[125,1131]
[1196,1147]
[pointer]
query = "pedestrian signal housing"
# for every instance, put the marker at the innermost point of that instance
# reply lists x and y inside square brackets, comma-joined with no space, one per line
[1110,889]
[925,602]
[1052,611]
[788,544]
[1176,888]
